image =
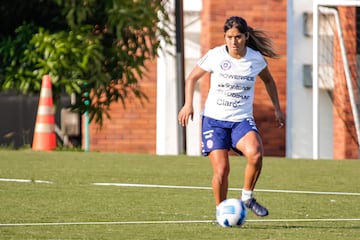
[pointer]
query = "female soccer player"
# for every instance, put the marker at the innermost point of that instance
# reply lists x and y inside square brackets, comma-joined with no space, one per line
[227,121]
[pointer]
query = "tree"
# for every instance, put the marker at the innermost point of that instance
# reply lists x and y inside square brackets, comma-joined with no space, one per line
[94,48]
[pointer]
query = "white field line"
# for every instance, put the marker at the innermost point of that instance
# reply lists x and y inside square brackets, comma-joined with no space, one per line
[173,222]
[232,189]
[23,180]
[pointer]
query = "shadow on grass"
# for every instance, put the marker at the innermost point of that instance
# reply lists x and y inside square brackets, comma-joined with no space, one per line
[297,226]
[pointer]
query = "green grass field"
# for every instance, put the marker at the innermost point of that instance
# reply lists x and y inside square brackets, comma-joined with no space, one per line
[72,207]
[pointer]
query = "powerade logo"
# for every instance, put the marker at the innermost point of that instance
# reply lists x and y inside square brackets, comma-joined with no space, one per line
[225,65]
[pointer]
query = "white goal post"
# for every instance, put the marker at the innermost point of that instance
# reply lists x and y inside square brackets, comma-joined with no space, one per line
[329,7]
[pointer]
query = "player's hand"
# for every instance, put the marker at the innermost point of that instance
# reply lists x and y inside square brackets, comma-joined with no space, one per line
[280,118]
[185,113]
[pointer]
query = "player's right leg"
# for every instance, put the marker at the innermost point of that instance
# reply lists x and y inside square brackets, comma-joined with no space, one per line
[251,146]
[221,168]
[216,142]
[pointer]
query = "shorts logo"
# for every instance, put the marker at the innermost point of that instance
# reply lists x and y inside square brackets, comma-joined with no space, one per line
[225,65]
[208,134]
[209,144]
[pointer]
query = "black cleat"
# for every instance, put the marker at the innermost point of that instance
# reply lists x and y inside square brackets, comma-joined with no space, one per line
[256,208]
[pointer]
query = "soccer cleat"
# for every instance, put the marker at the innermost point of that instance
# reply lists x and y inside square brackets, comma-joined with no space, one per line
[256,208]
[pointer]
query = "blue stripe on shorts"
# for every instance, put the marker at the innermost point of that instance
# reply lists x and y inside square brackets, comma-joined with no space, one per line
[217,134]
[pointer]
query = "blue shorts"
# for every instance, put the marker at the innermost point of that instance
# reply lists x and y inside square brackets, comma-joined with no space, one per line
[217,134]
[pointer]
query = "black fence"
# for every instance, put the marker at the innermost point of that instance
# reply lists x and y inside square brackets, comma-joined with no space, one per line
[18,116]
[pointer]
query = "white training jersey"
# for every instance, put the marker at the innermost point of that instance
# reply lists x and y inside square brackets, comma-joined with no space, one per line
[232,81]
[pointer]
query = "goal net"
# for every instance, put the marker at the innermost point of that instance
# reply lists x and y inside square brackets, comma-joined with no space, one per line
[336,56]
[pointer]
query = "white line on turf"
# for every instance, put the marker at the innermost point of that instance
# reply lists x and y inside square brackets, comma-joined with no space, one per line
[232,189]
[23,180]
[173,222]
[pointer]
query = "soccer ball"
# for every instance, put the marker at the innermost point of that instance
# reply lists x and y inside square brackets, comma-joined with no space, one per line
[231,213]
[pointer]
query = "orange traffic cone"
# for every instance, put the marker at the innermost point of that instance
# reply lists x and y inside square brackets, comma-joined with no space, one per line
[44,133]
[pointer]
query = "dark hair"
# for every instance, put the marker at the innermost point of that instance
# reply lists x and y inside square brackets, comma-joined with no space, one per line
[257,40]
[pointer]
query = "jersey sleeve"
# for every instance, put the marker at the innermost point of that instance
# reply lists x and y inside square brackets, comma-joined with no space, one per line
[205,62]
[262,62]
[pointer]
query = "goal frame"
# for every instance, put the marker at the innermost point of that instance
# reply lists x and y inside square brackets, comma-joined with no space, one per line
[317,4]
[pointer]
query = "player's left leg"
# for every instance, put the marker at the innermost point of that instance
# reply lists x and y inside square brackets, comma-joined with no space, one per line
[251,147]
[248,142]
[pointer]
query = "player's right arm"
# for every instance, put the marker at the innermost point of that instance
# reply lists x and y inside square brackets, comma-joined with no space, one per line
[187,111]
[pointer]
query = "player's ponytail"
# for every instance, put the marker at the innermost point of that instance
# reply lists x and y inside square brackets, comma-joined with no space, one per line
[257,40]
[260,42]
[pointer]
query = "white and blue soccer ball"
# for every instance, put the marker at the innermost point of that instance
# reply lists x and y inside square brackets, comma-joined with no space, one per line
[231,213]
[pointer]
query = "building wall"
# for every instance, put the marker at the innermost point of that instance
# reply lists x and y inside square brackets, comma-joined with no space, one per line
[131,128]
[345,138]
[153,127]
[170,135]
[300,98]
[337,136]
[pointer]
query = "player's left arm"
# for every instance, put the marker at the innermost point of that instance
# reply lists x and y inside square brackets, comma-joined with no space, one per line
[271,89]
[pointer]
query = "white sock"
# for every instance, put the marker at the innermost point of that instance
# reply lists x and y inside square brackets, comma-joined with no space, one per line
[246,195]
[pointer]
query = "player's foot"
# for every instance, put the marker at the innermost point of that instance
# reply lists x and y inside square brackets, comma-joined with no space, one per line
[256,208]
